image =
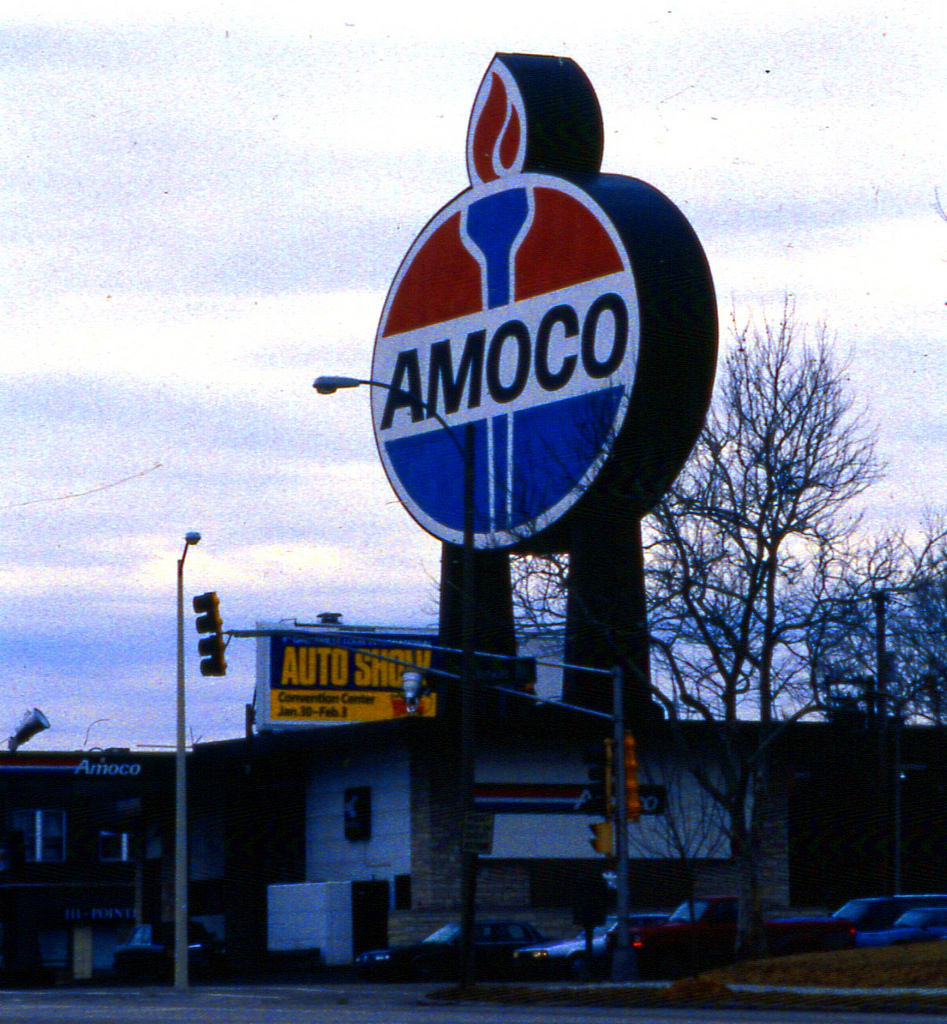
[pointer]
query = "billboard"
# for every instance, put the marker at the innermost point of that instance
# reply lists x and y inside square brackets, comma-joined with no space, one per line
[328,677]
[551,326]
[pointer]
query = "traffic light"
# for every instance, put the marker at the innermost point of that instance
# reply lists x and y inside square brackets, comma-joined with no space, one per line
[632,796]
[601,837]
[600,758]
[211,648]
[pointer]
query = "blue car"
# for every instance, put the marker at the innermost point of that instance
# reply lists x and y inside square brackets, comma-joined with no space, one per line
[875,918]
[920,925]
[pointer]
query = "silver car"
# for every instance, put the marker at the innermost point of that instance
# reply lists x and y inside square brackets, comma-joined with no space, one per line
[569,958]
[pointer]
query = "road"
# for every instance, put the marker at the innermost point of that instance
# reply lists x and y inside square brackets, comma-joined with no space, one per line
[360,1004]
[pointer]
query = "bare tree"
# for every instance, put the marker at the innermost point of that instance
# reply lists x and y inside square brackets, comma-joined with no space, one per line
[749,546]
[539,584]
[692,829]
[921,649]
[752,539]
[895,609]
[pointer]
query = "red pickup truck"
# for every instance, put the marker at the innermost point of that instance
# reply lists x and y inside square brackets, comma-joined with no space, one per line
[701,934]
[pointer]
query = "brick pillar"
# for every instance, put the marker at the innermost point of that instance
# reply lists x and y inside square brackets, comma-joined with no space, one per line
[774,861]
[435,824]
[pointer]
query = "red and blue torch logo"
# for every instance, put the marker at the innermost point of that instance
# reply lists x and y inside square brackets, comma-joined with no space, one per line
[515,314]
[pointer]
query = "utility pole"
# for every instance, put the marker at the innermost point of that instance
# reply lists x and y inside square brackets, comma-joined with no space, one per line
[880,600]
[888,785]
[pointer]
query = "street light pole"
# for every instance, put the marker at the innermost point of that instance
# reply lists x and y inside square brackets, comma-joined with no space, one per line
[468,857]
[180,793]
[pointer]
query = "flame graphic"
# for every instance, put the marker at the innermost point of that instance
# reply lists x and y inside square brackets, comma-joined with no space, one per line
[497,135]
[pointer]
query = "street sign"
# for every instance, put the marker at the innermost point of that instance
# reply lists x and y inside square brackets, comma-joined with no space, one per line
[493,670]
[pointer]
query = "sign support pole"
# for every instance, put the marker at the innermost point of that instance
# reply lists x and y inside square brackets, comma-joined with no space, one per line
[468,880]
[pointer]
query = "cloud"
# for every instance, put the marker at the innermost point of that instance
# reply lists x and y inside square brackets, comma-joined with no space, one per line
[204,205]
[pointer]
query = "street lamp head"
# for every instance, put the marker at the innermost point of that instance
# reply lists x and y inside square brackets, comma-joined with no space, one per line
[192,537]
[329,385]
[33,722]
[412,683]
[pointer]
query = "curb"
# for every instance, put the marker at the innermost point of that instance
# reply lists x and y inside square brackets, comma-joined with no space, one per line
[736,996]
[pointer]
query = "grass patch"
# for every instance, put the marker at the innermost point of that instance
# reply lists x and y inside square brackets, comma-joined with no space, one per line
[917,965]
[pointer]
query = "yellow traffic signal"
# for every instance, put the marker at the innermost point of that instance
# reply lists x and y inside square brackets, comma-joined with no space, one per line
[601,837]
[211,648]
[632,796]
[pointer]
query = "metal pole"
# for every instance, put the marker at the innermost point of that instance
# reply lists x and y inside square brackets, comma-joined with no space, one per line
[180,805]
[896,783]
[880,598]
[468,880]
[885,780]
[468,857]
[623,965]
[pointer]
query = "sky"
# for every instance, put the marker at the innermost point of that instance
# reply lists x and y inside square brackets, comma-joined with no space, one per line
[203,206]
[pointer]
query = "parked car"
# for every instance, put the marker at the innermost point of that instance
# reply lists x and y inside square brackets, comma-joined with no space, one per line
[874,918]
[148,955]
[438,956]
[921,925]
[569,957]
[701,933]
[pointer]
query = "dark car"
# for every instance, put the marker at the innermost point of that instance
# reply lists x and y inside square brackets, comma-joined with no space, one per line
[148,955]
[569,957]
[438,956]
[874,917]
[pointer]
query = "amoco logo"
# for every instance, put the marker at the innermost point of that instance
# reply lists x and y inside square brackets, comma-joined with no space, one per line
[515,311]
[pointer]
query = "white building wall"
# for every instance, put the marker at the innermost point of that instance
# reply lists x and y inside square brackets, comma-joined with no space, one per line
[332,857]
[692,821]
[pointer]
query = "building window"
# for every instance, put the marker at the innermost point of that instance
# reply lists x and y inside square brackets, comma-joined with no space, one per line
[402,892]
[115,846]
[44,834]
